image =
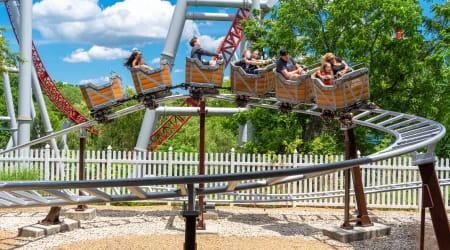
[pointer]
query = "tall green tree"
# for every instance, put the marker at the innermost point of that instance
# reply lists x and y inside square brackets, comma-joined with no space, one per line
[409,75]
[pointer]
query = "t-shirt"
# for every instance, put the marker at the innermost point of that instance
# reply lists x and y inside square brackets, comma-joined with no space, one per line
[248,68]
[282,65]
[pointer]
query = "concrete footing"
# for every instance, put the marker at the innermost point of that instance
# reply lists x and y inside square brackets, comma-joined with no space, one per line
[211,228]
[87,214]
[357,233]
[211,215]
[38,230]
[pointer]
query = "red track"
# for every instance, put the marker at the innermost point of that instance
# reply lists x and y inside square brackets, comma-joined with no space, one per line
[227,48]
[49,86]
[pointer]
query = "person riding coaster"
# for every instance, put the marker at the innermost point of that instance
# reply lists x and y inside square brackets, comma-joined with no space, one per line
[339,66]
[250,62]
[287,67]
[136,60]
[197,52]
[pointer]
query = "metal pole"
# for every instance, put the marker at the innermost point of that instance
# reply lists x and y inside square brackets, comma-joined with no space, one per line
[190,214]
[351,153]
[81,175]
[147,127]
[41,102]
[210,16]
[24,112]
[201,170]
[436,205]
[174,34]
[422,220]
[346,224]
[35,82]
[10,107]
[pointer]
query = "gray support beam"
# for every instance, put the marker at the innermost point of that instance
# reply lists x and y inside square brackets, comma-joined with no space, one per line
[35,81]
[210,16]
[10,107]
[24,113]
[147,127]
[247,4]
[174,33]
[211,111]
[39,97]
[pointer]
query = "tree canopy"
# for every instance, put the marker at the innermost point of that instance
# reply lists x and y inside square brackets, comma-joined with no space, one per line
[408,75]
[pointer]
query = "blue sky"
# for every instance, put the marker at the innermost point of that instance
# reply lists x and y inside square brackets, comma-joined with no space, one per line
[92,51]
[80,40]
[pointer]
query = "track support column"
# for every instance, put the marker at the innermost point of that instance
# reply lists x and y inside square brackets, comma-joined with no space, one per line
[201,168]
[81,207]
[190,214]
[432,198]
[351,153]
[24,112]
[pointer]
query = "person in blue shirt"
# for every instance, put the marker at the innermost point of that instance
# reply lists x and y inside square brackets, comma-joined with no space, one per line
[288,67]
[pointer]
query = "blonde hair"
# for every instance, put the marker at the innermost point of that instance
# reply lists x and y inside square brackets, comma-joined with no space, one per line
[328,57]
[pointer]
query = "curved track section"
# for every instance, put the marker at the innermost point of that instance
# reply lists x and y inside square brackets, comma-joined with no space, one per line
[46,82]
[410,133]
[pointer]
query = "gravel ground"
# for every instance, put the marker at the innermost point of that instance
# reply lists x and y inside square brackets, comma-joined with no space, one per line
[250,228]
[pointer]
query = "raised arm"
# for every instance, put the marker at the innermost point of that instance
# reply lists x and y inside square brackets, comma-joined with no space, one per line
[204,52]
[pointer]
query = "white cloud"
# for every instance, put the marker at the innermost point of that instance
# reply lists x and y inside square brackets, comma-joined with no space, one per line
[156,60]
[210,43]
[96,81]
[178,70]
[126,22]
[96,53]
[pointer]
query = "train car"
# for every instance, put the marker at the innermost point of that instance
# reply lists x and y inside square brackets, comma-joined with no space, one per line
[199,75]
[154,82]
[252,85]
[290,92]
[105,96]
[346,92]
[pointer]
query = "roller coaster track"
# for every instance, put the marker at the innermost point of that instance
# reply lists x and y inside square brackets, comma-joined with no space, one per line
[227,49]
[411,133]
[46,82]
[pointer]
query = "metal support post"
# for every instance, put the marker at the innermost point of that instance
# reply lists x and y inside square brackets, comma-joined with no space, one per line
[24,112]
[351,153]
[81,207]
[346,224]
[147,127]
[432,198]
[10,107]
[174,34]
[190,214]
[201,171]
[39,97]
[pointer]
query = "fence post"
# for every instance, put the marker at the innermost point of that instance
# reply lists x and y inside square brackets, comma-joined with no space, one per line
[47,162]
[169,168]
[294,184]
[108,165]
[232,169]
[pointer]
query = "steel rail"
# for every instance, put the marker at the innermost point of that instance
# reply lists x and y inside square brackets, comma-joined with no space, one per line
[411,135]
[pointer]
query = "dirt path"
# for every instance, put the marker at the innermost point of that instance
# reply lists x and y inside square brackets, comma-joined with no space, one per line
[169,242]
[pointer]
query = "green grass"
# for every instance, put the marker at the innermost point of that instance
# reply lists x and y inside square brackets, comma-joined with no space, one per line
[25,174]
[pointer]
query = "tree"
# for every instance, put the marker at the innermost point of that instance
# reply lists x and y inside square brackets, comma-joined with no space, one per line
[408,75]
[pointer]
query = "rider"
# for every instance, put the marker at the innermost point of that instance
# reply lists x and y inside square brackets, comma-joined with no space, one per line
[340,67]
[249,63]
[325,73]
[288,67]
[136,60]
[197,52]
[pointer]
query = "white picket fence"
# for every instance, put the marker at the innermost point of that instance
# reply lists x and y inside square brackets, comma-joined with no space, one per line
[110,164]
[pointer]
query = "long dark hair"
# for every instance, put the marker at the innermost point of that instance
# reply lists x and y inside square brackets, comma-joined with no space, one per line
[129,62]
